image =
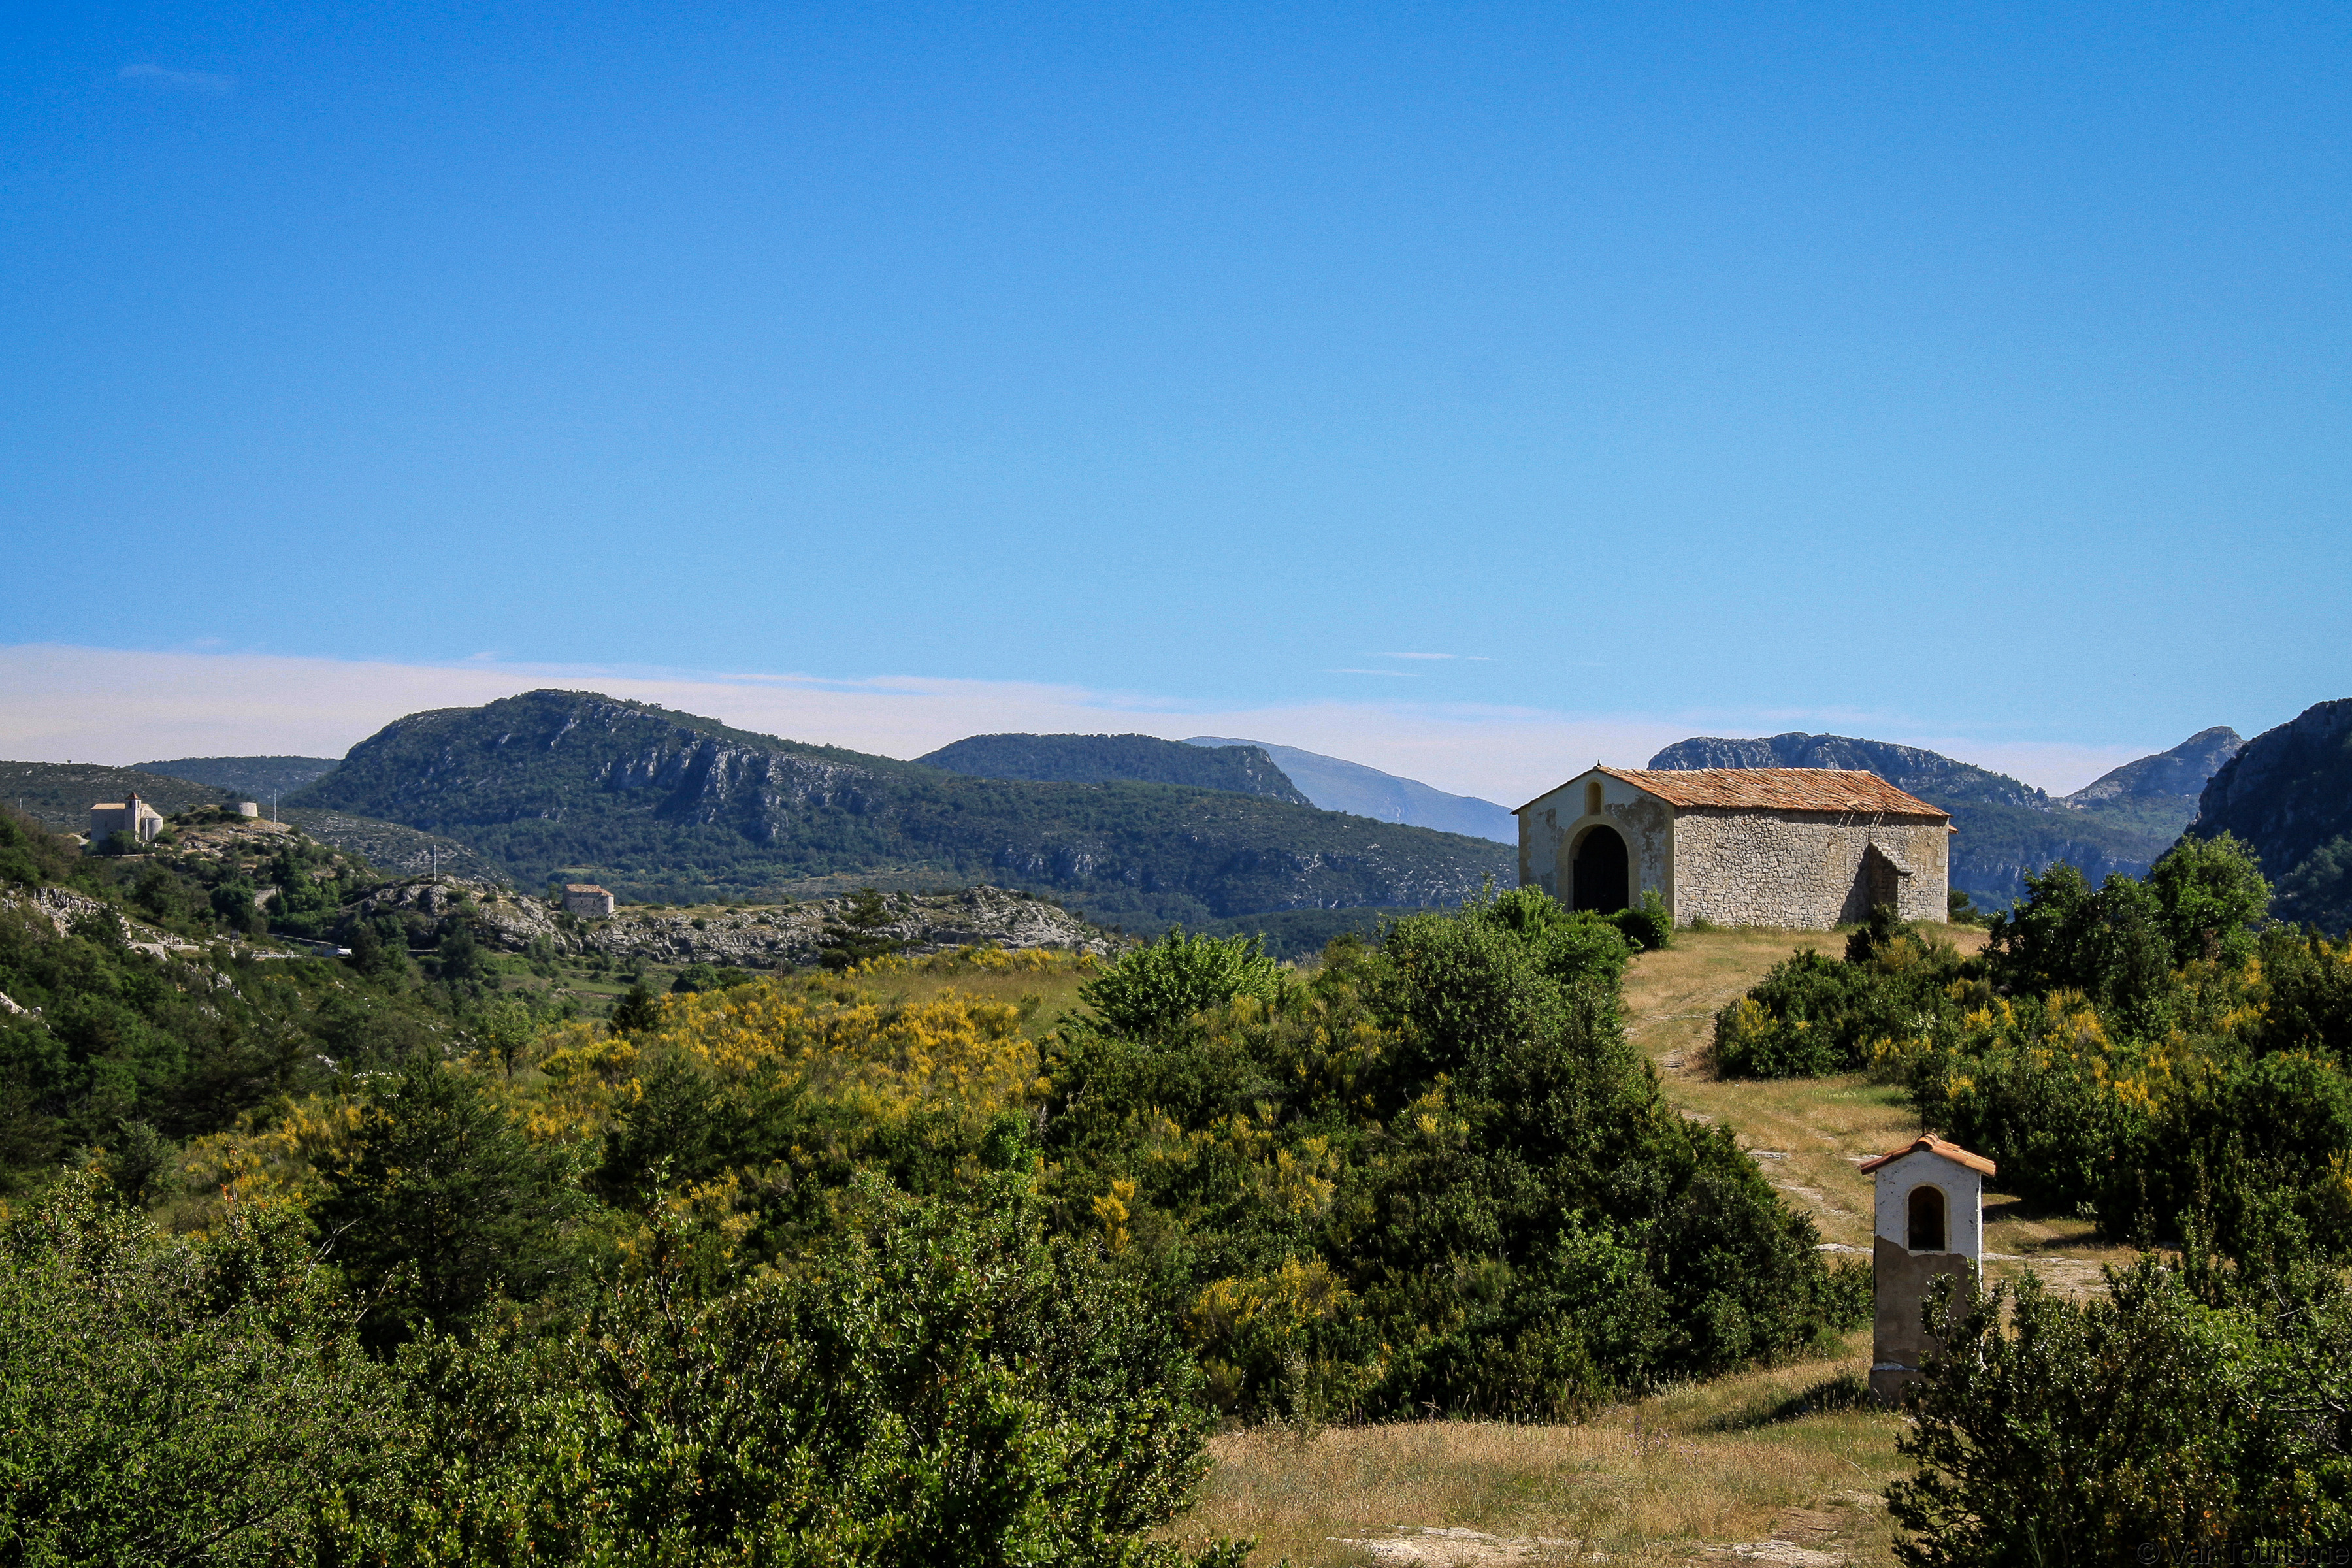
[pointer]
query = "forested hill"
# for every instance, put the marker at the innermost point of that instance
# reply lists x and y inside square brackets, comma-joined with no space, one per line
[2289,794]
[656,804]
[2007,827]
[1241,768]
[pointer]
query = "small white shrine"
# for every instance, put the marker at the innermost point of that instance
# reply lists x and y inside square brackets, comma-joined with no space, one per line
[1930,1221]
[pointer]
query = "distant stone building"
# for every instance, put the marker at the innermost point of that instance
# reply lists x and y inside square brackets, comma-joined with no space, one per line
[1929,1220]
[134,817]
[587,899]
[1810,848]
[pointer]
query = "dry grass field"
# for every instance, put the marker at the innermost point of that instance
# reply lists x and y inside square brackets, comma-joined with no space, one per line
[1783,1464]
[1694,1474]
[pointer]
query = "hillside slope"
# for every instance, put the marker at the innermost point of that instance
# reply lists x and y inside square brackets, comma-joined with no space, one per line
[2289,794]
[2008,828]
[250,778]
[656,803]
[1242,769]
[1337,785]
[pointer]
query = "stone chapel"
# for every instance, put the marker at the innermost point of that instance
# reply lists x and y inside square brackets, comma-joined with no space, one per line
[1809,848]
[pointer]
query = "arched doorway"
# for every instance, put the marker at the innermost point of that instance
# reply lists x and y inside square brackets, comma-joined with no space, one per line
[1599,873]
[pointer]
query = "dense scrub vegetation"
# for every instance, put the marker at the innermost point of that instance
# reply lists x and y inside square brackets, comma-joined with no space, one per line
[2136,1049]
[853,1267]
[1432,1175]
[2155,1054]
[664,805]
[133,1035]
[2197,1413]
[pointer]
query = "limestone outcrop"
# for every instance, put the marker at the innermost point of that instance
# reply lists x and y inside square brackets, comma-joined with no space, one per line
[761,936]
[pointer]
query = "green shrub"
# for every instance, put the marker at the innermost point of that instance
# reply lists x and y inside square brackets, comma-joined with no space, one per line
[1896,991]
[1155,988]
[944,1385]
[442,1204]
[1432,1174]
[860,932]
[2146,1424]
[181,1401]
[1568,944]
[2120,945]
[1646,925]
[2243,1091]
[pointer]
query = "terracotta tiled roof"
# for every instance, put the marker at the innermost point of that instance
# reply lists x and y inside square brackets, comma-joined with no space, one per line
[1931,1144]
[1779,789]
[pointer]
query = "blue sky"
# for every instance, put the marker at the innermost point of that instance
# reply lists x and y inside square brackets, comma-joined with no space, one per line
[1972,375]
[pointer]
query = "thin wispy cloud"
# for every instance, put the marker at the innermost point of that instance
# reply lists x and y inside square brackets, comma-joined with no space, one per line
[1466,657]
[192,81]
[1393,674]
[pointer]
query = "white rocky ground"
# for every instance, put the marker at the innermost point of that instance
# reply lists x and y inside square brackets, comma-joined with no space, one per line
[748,936]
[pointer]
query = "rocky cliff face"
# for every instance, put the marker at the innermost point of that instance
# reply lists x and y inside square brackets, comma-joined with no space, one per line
[753,937]
[2288,793]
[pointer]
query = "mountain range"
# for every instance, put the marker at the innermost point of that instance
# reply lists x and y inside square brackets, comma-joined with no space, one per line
[1247,767]
[2120,822]
[667,806]
[1216,832]
[1337,785]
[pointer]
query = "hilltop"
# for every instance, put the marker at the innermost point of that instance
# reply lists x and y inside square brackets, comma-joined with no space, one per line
[2160,792]
[2008,828]
[675,807]
[58,795]
[1241,768]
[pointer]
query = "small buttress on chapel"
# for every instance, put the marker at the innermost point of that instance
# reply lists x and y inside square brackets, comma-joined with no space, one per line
[1810,848]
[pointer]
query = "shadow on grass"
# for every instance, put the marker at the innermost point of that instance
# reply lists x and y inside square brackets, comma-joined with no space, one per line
[1846,1390]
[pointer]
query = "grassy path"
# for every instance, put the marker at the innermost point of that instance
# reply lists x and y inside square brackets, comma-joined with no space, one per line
[1776,1465]
[1809,1134]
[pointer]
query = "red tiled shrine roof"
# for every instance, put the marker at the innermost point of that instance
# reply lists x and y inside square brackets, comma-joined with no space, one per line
[1931,1144]
[1779,789]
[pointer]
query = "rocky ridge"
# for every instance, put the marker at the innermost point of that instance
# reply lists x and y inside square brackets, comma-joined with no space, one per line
[745,936]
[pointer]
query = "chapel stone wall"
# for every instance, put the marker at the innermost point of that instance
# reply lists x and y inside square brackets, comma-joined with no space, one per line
[1804,869]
